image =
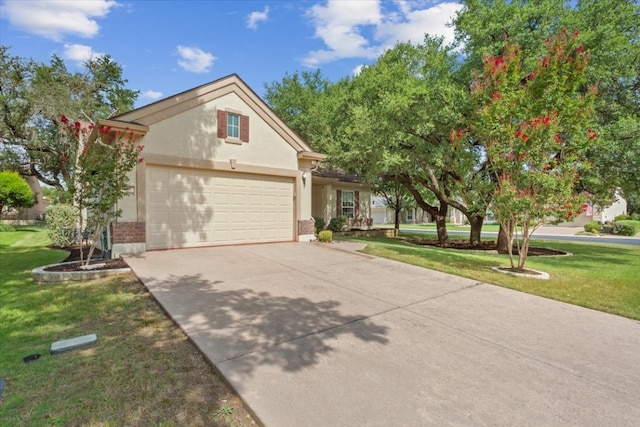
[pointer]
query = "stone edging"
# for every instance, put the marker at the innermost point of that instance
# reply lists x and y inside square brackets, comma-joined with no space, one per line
[541,275]
[41,276]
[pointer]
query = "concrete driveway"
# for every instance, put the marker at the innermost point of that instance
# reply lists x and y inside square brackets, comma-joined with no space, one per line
[311,335]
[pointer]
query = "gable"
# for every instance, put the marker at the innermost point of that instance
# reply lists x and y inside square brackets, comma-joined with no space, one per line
[215,92]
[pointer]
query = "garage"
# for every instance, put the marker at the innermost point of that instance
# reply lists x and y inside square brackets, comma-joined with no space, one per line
[196,207]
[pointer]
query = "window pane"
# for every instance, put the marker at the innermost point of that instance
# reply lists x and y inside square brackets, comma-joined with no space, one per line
[348,204]
[233,125]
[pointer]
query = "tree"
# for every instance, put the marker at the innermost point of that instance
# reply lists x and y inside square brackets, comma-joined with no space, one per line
[14,192]
[535,128]
[400,116]
[610,30]
[105,160]
[34,96]
[396,196]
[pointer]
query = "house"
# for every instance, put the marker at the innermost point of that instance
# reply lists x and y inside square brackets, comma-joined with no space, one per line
[219,168]
[337,193]
[601,214]
[383,214]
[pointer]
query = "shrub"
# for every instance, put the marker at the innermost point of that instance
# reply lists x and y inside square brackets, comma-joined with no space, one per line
[325,236]
[6,227]
[635,216]
[14,191]
[319,223]
[592,227]
[337,224]
[622,217]
[626,227]
[60,221]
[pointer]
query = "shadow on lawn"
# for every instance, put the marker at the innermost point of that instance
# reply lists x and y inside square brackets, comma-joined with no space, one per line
[257,328]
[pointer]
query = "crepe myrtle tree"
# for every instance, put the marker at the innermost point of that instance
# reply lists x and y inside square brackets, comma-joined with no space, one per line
[535,127]
[102,167]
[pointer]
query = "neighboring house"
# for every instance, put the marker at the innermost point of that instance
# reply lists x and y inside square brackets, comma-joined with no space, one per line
[382,214]
[338,193]
[596,213]
[219,168]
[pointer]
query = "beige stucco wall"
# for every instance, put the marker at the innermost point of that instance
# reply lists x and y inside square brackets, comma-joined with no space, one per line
[193,134]
[128,204]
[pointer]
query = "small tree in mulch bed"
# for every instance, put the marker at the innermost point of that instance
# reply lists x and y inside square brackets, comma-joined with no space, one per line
[534,127]
[102,174]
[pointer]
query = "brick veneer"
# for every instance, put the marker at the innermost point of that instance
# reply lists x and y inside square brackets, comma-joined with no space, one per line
[306,226]
[128,232]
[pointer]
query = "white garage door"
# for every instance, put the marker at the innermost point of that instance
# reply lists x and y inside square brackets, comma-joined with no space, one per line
[191,207]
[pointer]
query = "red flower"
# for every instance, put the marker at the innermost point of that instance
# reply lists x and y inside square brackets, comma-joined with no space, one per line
[64,119]
[545,61]
[558,138]
[141,159]
[496,95]
[546,120]
[593,136]
[525,137]
[518,133]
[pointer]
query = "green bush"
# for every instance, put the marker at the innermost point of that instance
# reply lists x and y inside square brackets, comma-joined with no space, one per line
[325,236]
[626,227]
[592,227]
[319,223]
[60,221]
[14,191]
[337,224]
[635,216]
[622,218]
[6,227]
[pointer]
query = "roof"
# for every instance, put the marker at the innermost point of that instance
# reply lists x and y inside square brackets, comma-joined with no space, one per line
[337,174]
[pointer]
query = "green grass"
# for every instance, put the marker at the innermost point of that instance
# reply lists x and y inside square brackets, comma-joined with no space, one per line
[599,276]
[143,371]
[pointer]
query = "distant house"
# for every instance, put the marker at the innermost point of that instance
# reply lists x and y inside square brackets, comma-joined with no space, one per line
[383,214]
[336,193]
[33,214]
[596,213]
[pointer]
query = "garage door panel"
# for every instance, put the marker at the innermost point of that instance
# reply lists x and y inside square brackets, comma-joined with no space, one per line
[187,208]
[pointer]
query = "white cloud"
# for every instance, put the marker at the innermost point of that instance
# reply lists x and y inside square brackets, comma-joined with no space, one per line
[79,53]
[418,22]
[363,29]
[53,19]
[151,94]
[255,17]
[339,25]
[356,71]
[194,59]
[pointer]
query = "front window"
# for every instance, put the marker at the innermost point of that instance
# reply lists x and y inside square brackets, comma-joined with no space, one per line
[233,125]
[409,214]
[348,204]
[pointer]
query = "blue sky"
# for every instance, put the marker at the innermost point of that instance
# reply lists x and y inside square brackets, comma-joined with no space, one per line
[166,47]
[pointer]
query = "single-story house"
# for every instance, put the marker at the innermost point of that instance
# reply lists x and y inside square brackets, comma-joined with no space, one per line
[337,193]
[219,168]
[383,214]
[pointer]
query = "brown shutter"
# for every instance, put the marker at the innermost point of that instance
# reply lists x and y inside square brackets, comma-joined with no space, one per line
[222,124]
[356,202]
[244,128]
[338,203]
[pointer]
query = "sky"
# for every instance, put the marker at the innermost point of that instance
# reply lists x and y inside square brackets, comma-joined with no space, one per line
[167,47]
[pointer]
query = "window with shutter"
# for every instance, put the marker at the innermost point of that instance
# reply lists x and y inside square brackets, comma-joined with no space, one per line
[233,126]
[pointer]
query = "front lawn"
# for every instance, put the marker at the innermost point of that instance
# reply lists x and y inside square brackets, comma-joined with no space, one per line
[599,276]
[143,371]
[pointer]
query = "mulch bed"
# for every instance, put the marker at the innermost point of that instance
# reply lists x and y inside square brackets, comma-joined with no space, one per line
[74,255]
[485,245]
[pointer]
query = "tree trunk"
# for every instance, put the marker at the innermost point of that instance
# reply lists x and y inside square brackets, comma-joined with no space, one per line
[397,218]
[441,224]
[475,235]
[503,241]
